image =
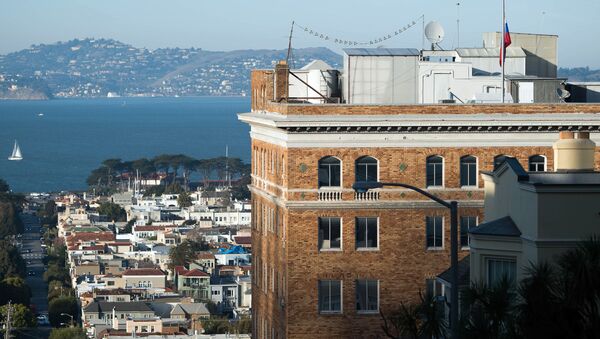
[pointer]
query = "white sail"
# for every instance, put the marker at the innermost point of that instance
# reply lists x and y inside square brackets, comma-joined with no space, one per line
[16,153]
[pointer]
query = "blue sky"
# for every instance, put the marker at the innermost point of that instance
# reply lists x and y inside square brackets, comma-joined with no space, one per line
[241,24]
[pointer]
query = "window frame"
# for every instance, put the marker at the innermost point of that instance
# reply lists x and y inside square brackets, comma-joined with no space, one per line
[545,163]
[330,187]
[366,165]
[434,248]
[443,169]
[468,166]
[319,243]
[341,310]
[366,248]
[376,311]
[508,259]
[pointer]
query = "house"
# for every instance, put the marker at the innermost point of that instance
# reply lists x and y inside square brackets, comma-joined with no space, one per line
[145,278]
[193,313]
[205,261]
[112,295]
[193,283]
[529,216]
[103,313]
[224,293]
[235,255]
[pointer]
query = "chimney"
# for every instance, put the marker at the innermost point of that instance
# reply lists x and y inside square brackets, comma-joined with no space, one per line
[282,83]
[574,151]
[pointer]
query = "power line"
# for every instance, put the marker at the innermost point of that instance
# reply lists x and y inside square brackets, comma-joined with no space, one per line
[345,42]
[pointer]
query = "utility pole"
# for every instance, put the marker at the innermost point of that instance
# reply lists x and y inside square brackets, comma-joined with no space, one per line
[8,320]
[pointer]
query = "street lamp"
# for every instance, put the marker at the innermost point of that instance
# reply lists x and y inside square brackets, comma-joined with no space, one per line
[364,186]
[70,316]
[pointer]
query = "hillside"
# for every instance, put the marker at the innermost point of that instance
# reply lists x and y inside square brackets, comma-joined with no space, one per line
[97,67]
[580,74]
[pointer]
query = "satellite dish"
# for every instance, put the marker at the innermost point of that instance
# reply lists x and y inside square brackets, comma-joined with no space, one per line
[562,94]
[434,32]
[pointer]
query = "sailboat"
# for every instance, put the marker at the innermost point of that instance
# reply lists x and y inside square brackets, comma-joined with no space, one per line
[16,153]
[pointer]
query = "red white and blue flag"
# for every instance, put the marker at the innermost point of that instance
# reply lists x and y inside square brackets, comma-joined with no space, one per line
[506,43]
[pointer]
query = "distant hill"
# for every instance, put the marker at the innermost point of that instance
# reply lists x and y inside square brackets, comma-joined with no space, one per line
[106,67]
[580,74]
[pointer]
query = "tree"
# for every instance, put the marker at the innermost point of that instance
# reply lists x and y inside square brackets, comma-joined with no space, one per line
[143,166]
[421,320]
[184,200]
[4,188]
[11,262]
[57,273]
[67,333]
[15,289]
[64,304]
[21,316]
[173,188]
[10,223]
[243,325]
[98,177]
[113,166]
[186,252]
[216,325]
[113,211]
[240,191]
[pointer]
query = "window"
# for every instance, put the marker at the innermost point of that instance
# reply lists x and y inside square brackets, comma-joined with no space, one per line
[435,171]
[367,296]
[366,169]
[367,233]
[537,163]
[500,268]
[466,223]
[468,171]
[434,288]
[498,160]
[329,172]
[330,233]
[330,296]
[434,229]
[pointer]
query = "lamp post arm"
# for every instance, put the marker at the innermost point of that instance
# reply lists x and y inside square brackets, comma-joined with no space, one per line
[418,190]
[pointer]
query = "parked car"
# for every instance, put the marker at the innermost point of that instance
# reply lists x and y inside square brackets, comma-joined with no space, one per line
[31,273]
[42,319]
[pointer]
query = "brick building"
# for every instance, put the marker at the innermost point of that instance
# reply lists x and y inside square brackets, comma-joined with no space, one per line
[326,260]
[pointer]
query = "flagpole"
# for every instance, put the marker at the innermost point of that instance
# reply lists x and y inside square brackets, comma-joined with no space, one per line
[502,49]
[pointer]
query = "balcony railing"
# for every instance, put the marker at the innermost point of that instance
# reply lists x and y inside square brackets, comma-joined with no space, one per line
[330,195]
[367,196]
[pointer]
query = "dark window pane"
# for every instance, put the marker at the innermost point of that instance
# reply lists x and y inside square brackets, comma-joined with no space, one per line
[336,234]
[361,295]
[336,295]
[324,295]
[335,175]
[430,174]
[429,231]
[372,172]
[438,231]
[372,295]
[361,173]
[361,231]
[323,176]
[372,236]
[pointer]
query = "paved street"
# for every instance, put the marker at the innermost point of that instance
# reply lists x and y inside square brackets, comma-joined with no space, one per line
[31,242]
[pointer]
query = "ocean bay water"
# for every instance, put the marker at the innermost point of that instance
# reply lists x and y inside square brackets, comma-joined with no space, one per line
[63,140]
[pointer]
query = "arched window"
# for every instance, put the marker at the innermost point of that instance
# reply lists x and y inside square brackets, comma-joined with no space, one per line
[537,163]
[468,171]
[366,169]
[435,171]
[330,172]
[498,160]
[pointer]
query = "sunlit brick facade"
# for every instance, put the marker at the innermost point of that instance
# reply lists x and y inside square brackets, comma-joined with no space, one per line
[326,260]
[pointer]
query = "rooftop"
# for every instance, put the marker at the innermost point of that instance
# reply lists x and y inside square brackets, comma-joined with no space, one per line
[500,227]
[143,271]
[382,51]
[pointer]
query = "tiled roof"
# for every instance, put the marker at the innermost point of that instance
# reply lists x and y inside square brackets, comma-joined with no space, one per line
[243,240]
[205,255]
[144,271]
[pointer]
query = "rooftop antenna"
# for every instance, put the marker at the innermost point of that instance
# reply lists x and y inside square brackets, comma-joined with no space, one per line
[290,57]
[458,25]
[562,94]
[434,32]
[227,178]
